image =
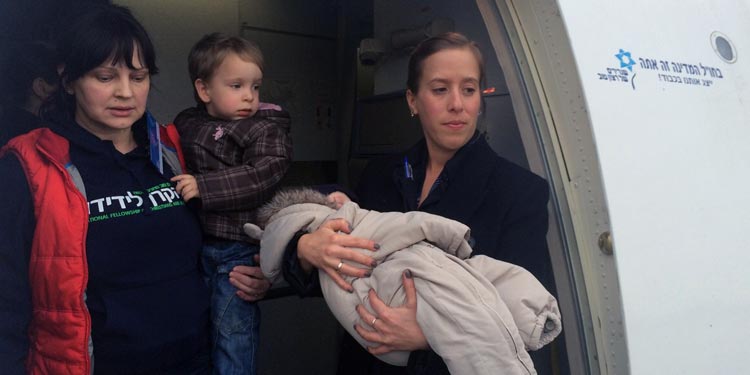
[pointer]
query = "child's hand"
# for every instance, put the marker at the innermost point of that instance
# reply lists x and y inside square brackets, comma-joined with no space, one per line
[187,186]
[338,198]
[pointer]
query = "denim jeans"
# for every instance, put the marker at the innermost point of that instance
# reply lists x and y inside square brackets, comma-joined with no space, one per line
[235,323]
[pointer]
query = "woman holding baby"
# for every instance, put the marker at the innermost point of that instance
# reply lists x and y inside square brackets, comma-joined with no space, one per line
[451,172]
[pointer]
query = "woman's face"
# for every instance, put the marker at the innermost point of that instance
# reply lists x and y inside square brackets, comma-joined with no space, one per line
[110,98]
[448,99]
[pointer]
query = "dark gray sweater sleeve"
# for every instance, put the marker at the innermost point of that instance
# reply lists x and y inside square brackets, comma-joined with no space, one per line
[16,232]
[304,284]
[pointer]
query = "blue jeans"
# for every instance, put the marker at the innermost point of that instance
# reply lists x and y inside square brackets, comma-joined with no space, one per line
[235,323]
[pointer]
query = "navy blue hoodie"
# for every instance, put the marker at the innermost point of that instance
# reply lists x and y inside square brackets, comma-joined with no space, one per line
[148,303]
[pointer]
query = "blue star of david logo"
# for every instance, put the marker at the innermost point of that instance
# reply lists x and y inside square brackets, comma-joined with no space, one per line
[625,60]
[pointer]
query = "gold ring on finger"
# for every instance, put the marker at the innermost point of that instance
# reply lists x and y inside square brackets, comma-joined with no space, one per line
[338,267]
[372,324]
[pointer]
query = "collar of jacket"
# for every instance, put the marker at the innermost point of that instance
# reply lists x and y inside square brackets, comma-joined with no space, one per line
[462,181]
[67,127]
[198,116]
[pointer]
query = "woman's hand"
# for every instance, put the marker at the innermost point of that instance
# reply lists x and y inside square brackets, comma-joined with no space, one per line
[326,250]
[249,281]
[394,328]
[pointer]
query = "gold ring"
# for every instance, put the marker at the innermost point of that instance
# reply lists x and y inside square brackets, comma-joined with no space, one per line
[372,324]
[341,264]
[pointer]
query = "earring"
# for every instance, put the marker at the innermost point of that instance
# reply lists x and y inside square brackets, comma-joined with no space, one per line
[412,114]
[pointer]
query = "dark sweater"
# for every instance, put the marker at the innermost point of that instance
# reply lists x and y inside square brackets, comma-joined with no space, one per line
[148,304]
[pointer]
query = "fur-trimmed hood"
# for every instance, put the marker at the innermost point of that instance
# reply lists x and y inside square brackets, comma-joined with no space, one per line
[288,197]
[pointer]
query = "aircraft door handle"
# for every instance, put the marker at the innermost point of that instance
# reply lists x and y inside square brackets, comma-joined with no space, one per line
[605,243]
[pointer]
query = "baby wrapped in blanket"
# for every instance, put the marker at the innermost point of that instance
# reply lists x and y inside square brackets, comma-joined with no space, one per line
[479,314]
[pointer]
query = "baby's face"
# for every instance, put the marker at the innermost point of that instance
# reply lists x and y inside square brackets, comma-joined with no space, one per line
[232,93]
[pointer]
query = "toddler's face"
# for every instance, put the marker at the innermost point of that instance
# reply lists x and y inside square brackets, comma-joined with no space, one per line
[232,91]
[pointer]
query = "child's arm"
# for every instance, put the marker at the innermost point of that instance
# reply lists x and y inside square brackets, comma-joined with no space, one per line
[187,186]
[266,158]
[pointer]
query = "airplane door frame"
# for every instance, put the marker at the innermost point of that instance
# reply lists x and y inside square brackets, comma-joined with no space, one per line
[531,44]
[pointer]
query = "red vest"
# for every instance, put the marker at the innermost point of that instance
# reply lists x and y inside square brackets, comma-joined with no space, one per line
[60,326]
[58,272]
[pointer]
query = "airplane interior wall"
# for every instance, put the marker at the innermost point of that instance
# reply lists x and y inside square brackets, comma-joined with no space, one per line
[299,44]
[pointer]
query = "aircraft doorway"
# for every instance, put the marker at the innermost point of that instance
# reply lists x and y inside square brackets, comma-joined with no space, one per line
[315,70]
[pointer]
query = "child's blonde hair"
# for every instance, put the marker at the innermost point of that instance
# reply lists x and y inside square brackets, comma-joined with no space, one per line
[210,51]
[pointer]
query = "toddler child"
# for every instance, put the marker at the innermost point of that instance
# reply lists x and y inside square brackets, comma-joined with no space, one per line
[237,150]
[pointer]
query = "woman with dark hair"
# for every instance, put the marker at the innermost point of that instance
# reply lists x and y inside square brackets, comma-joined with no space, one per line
[98,255]
[29,76]
[452,172]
